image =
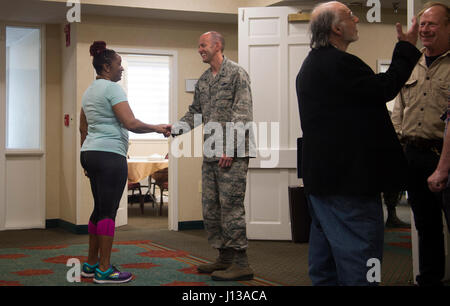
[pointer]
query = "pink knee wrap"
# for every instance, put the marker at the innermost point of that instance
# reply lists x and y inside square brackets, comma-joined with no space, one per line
[92,228]
[106,227]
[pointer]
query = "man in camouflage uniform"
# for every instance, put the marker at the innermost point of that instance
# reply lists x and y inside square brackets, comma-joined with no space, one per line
[223,97]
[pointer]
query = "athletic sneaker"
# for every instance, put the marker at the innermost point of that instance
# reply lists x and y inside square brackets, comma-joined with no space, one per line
[88,271]
[111,276]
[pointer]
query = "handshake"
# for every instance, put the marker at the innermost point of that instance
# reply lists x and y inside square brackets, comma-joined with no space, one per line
[165,129]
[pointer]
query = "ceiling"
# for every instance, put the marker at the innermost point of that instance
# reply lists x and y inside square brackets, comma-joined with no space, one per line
[35,11]
[402,4]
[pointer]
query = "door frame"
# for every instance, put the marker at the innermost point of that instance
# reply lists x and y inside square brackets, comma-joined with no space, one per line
[21,153]
[173,117]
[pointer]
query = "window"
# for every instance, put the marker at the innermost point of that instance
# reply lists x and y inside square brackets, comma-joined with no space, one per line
[146,80]
[23,88]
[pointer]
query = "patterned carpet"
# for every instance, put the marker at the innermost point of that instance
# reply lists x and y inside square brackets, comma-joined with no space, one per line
[397,258]
[151,264]
[398,240]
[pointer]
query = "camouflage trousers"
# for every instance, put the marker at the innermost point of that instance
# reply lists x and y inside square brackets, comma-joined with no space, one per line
[223,192]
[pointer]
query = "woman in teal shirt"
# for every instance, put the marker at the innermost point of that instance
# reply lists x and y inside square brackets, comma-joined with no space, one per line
[105,120]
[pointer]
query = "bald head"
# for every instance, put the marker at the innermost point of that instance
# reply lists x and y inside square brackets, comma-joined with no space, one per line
[332,6]
[215,37]
[210,48]
[434,5]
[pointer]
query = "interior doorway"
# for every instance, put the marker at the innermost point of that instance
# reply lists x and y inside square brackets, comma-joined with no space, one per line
[149,80]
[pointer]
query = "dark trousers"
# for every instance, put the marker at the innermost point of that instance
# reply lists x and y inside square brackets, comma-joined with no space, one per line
[446,204]
[427,209]
[391,199]
[108,174]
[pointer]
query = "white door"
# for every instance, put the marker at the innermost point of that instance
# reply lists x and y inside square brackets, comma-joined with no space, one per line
[272,50]
[22,127]
[122,211]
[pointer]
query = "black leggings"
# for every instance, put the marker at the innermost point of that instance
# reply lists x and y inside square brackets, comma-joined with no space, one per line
[108,175]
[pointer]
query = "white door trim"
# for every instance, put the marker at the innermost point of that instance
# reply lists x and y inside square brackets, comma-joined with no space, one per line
[173,115]
[3,129]
[18,153]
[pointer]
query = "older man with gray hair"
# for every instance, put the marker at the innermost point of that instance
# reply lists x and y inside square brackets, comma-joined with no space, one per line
[350,149]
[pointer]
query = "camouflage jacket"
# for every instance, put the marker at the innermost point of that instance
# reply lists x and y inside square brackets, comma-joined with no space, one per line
[224,103]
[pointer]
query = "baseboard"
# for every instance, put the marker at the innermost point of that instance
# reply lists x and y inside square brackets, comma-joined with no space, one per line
[190,225]
[76,229]
[83,229]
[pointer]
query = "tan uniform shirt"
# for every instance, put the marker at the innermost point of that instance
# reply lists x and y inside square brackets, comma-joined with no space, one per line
[423,100]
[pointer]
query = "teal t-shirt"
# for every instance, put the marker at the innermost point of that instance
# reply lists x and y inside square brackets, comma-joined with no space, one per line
[105,132]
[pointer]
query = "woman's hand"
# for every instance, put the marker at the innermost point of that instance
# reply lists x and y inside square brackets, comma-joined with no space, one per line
[164,129]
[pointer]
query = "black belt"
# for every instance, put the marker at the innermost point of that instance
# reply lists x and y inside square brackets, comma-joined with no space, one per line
[434,145]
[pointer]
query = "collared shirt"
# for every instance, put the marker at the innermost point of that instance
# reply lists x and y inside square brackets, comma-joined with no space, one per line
[423,100]
[222,99]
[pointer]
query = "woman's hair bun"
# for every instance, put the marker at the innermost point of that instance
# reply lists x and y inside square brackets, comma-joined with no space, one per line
[97,47]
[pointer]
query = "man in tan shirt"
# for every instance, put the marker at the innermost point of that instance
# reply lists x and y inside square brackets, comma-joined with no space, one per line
[418,120]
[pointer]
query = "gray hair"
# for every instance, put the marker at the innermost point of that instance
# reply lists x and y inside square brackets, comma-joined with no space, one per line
[320,27]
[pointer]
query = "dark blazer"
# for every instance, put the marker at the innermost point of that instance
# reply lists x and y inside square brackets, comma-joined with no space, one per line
[349,144]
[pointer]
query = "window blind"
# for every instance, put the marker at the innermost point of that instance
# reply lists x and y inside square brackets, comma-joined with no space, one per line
[146,80]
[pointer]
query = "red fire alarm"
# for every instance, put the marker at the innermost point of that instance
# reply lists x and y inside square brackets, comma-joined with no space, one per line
[66,120]
[67,32]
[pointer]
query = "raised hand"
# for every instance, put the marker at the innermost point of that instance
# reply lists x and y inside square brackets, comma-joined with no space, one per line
[412,34]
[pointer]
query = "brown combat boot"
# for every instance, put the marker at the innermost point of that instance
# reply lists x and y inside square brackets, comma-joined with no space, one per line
[215,266]
[223,262]
[233,273]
